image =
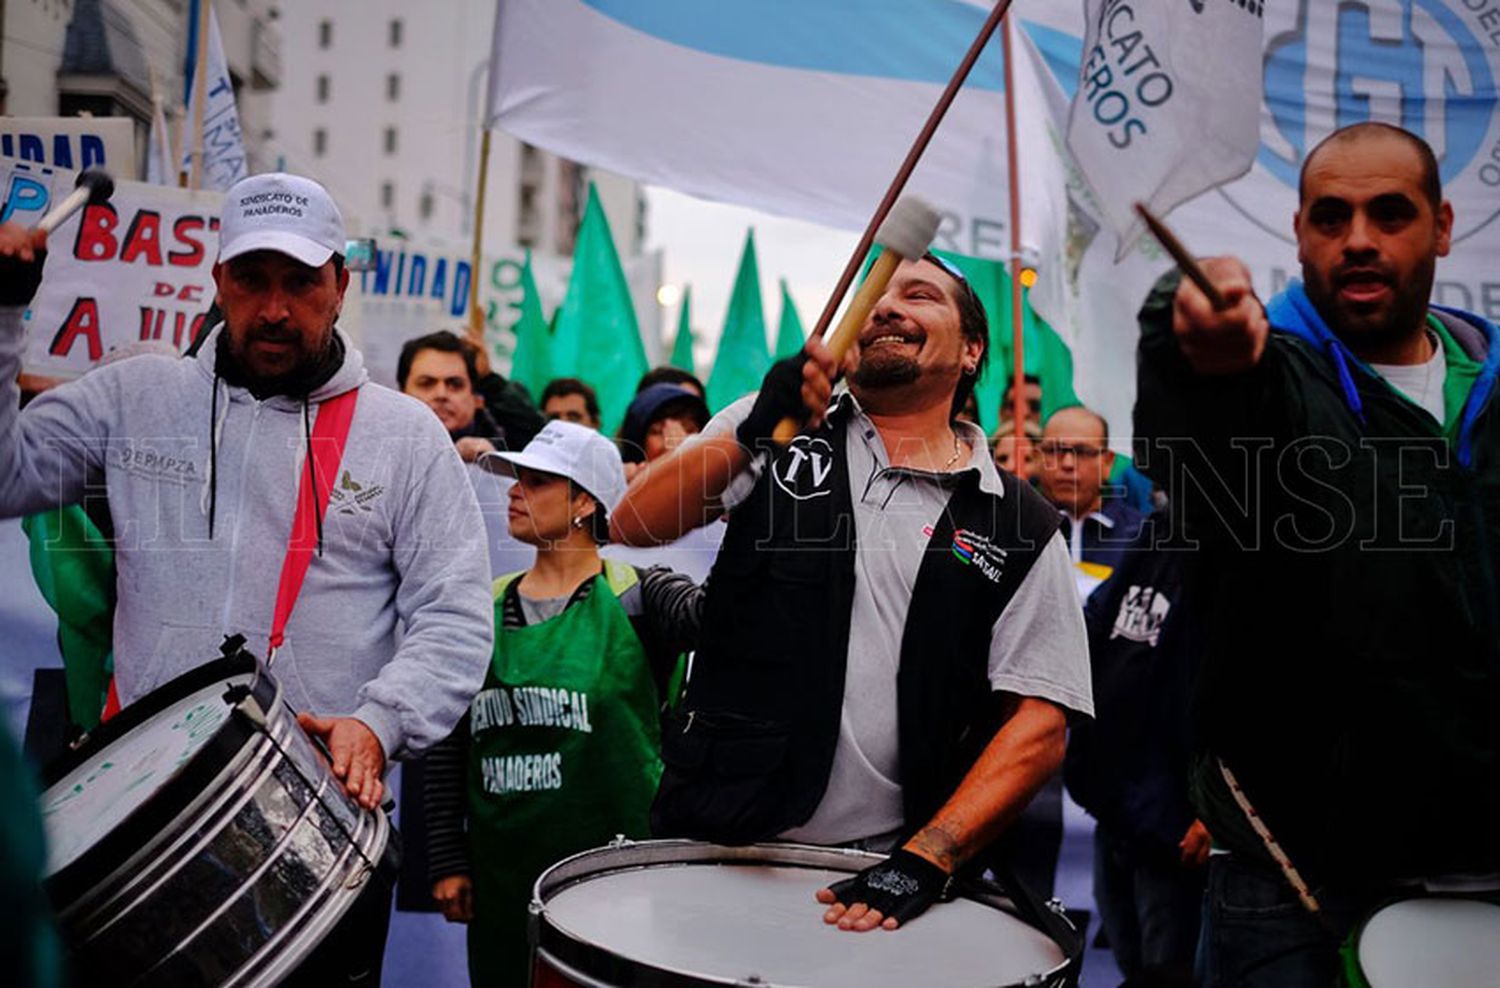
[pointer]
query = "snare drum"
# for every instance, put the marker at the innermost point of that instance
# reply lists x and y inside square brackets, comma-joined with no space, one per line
[198,838]
[680,913]
[1454,943]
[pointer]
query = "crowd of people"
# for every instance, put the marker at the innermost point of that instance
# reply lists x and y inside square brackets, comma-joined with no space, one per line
[1271,679]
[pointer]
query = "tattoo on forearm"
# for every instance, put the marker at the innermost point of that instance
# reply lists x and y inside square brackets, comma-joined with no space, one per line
[940,844]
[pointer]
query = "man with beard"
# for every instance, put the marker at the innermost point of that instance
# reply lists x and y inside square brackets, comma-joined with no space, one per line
[201,461]
[1335,452]
[891,645]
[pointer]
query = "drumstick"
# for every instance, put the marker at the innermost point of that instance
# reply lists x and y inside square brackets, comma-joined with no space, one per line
[94,187]
[906,234]
[909,164]
[1185,260]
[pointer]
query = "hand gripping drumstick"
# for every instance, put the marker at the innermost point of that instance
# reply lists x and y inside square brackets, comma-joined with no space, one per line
[94,187]
[905,235]
[1185,260]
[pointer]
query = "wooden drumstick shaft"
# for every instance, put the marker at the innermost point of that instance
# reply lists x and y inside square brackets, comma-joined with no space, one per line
[847,330]
[1189,264]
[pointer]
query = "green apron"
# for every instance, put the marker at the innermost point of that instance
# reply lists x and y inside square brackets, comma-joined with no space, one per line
[564,754]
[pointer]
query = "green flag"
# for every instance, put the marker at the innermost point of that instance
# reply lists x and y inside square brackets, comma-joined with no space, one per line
[531,364]
[789,332]
[597,336]
[1045,354]
[742,359]
[682,346]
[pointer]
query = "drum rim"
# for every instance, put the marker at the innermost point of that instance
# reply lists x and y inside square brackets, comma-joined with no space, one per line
[149,820]
[550,938]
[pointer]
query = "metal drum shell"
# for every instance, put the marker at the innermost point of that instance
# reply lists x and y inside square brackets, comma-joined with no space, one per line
[149,828]
[587,965]
[143,904]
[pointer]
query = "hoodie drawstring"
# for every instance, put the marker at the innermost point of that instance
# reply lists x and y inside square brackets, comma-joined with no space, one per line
[313,474]
[210,492]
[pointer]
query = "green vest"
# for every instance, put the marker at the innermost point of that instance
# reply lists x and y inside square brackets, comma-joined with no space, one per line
[564,754]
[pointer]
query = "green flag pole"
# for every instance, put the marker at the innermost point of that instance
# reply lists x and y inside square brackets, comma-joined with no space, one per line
[742,359]
[682,346]
[790,336]
[598,338]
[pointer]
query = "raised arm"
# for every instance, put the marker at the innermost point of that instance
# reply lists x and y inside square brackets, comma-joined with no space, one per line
[685,489]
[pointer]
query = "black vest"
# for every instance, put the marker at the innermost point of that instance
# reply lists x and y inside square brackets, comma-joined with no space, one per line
[749,752]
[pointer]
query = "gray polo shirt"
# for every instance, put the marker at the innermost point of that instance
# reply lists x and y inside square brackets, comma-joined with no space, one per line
[1038,646]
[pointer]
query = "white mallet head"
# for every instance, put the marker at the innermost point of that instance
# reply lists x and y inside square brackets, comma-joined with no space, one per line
[909,227]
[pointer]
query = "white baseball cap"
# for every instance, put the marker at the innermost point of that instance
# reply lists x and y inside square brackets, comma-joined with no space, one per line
[569,450]
[285,213]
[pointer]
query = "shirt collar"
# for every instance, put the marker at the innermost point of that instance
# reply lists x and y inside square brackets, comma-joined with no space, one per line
[1098,516]
[968,433]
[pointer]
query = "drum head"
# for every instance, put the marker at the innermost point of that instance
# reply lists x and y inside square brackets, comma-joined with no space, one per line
[1450,942]
[115,792]
[752,919]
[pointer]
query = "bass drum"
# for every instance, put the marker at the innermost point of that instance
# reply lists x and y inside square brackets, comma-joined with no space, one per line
[685,915]
[198,838]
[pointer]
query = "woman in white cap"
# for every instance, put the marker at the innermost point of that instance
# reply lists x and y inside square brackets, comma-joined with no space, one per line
[560,750]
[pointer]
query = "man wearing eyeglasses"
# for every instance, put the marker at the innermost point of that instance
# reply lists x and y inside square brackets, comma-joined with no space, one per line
[891,647]
[1075,465]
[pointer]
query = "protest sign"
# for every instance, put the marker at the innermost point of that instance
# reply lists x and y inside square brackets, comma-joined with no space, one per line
[136,268]
[72,142]
[421,286]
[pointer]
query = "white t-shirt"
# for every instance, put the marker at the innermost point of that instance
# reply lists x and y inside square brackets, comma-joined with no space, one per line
[1038,646]
[1422,383]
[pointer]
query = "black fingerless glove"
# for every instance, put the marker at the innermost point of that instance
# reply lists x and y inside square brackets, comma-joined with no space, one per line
[780,397]
[901,887]
[19,279]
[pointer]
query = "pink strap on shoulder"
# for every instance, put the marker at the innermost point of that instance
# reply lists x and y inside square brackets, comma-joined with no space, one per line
[325,453]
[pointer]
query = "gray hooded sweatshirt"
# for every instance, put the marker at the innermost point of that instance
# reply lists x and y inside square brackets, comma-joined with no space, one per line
[403,539]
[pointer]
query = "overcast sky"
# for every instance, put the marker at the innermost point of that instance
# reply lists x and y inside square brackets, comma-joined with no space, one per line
[702,240]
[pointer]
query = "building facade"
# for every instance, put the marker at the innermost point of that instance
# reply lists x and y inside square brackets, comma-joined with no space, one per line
[110,57]
[382,100]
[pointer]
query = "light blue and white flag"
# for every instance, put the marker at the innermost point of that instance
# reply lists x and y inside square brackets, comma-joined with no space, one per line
[805,108]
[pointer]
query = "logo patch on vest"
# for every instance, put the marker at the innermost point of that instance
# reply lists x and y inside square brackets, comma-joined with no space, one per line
[973,549]
[805,471]
[1142,613]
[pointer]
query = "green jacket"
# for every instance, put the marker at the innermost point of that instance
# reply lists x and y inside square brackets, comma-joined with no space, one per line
[1352,670]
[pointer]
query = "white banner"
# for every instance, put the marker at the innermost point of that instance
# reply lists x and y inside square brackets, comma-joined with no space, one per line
[136,268]
[73,143]
[1168,102]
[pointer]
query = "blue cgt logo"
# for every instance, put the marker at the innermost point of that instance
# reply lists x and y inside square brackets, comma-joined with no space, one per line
[1426,65]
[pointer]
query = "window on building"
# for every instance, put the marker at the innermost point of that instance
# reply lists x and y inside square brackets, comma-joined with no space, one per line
[393,87]
[325,34]
[320,142]
[425,205]
[324,85]
[390,140]
[387,195]
[396,33]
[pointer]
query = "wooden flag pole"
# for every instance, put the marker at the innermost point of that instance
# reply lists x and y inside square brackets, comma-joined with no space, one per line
[919,146]
[200,96]
[1017,331]
[476,316]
